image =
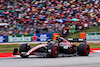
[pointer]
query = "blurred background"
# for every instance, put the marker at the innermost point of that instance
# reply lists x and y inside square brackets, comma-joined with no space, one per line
[23,17]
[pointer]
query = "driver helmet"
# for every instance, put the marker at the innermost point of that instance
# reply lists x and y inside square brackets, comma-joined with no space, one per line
[28,44]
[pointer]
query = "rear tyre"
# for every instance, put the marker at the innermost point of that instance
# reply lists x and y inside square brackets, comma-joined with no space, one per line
[83,49]
[23,50]
[52,51]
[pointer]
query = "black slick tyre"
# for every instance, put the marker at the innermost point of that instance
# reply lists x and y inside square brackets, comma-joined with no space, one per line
[83,49]
[23,49]
[52,51]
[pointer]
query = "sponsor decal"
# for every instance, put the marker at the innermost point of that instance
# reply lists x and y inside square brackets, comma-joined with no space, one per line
[93,36]
[3,38]
[43,37]
[55,35]
[29,38]
[34,37]
[21,38]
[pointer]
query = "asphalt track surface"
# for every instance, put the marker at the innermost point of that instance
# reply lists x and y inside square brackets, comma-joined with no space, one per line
[93,60]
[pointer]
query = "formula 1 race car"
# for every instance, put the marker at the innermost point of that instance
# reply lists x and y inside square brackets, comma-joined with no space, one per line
[53,49]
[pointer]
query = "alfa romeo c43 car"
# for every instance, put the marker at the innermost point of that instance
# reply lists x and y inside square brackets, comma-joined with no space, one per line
[53,49]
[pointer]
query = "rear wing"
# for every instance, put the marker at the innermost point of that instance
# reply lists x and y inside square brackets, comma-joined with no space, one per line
[76,40]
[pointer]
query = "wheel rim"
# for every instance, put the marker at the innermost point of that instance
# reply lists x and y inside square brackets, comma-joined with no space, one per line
[87,50]
[55,52]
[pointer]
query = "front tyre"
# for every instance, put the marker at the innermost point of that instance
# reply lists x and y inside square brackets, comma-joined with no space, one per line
[24,48]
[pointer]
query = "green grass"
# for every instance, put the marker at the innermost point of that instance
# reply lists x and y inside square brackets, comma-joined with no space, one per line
[10,48]
[94,45]
[77,35]
[91,45]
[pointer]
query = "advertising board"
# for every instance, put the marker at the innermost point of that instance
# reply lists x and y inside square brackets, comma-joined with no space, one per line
[44,37]
[93,36]
[20,38]
[27,38]
[3,39]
